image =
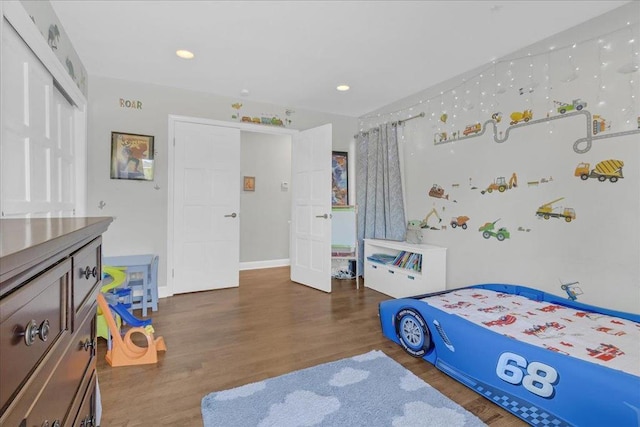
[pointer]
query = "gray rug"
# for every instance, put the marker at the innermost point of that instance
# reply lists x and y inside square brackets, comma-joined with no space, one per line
[367,390]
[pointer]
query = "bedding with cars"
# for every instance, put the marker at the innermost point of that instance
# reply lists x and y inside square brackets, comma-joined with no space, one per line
[594,337]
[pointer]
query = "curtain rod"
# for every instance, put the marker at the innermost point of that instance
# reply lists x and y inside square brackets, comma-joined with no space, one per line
[411,118]
[399,122]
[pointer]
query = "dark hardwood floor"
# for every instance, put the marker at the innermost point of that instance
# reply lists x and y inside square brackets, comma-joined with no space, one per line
[267,327]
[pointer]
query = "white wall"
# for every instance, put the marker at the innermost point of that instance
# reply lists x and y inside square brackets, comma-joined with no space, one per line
[601,247]
[265,213]
[140,207]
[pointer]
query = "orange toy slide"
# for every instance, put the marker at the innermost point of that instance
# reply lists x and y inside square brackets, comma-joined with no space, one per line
[124,352]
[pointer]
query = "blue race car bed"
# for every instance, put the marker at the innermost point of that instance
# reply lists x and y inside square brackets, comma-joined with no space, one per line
[548,360]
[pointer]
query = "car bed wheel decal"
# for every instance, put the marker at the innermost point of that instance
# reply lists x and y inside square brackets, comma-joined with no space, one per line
[412,332]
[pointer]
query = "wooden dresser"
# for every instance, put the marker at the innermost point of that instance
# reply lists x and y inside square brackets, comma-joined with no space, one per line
[50,274]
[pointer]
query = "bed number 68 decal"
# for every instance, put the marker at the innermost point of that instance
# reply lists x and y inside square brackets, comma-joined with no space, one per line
[536,378]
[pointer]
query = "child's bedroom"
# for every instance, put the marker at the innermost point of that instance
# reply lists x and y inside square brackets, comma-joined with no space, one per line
[320,213]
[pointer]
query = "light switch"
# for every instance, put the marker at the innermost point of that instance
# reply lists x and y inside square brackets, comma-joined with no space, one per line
[284,186]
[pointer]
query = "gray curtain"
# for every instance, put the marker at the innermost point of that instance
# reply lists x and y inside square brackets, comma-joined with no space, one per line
[379,186]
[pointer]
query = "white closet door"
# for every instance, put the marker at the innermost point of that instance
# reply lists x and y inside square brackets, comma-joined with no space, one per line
[206,225]
[37,150]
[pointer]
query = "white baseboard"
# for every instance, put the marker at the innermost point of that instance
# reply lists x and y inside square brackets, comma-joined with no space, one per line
[254,265]
[163,292]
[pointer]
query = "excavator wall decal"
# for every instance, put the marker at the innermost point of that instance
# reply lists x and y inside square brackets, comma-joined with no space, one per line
[501,184]
[425,221]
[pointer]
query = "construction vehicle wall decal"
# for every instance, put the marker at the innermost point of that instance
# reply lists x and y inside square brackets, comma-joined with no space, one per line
[576,104]
[437,192]
[425,221]
[488,230]
[459,221]
[600,124]
[572,289]
[500,184]
[595,125]
[517,116]
[547,211]
[440,137]
[607,169]
[474,128]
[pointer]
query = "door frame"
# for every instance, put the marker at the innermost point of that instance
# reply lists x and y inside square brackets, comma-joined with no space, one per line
[173,119]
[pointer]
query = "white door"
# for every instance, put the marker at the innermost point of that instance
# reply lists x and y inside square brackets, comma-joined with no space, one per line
[206,219]
[310,250]
[38,150]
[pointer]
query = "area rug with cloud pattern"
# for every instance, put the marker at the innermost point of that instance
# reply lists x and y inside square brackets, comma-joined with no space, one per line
[367,390]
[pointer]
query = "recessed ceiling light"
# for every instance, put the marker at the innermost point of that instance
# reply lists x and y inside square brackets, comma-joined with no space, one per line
[343,88]
[184,54]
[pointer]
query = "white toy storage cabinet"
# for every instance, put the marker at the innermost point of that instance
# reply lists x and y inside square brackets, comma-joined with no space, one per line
[418,268]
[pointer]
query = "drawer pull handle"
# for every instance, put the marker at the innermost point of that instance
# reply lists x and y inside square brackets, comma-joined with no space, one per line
[88,421]
[89,344]
[88,272]
[32,331]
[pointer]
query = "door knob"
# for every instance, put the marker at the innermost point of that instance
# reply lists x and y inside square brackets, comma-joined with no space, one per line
[233,215]
[325,216]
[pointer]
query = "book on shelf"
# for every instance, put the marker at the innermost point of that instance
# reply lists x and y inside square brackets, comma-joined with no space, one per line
[381,258]
[404,259]
[408,260]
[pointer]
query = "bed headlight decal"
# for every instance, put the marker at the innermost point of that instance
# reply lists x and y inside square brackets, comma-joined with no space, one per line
[535,377]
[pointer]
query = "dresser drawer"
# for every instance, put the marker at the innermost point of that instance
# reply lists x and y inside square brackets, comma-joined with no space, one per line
[82,355]
[86,416]
[32,320]
[87,271]
[64,387]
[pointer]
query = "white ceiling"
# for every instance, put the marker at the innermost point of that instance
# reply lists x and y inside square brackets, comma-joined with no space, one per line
[295,53]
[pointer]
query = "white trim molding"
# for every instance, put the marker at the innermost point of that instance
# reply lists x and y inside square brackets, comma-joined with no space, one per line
[255,265]
[17,16]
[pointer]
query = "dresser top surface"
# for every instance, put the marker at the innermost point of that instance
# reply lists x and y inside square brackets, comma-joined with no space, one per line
[24,241]
[20,234]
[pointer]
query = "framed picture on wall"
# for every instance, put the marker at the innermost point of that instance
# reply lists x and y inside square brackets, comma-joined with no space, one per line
[339,178]
[249,183]
[131,156]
